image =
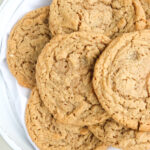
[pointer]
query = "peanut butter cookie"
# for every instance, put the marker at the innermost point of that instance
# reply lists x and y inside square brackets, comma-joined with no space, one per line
[26,40]
[118,136]
[146,7]
[110,17]
[48,134]
[64,77]
[122,80]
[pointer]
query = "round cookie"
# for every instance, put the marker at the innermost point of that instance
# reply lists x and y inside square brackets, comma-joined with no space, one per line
[26,40]
[64,77]
[146,7]
[110,17]
[122,80]
[118,136]
[49,134]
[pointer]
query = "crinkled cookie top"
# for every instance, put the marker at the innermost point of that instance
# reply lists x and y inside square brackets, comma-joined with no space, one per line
[26,40]
[122,80]
[49,134]
[110,17]
[64,77]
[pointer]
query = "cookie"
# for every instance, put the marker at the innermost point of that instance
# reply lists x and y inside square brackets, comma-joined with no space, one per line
[64,77]
[122,80]
[146,7]
[110,17]
[118,136]
[48,134]
[26,40]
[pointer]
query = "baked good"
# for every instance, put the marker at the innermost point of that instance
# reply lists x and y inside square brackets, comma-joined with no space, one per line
[146,7]
[48,134]
[64,77]
[121,137]
[122,80]
[26,40]
[110,17]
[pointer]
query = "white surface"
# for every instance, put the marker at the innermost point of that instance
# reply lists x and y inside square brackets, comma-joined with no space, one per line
[13,98]
[4,145]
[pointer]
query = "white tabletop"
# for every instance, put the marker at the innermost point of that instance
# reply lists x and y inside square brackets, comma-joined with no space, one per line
[4,145]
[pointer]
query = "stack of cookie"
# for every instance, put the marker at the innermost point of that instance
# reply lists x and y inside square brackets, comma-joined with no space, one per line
[87,63]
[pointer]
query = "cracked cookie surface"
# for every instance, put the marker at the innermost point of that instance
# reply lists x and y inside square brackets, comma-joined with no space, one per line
[118,136]
[26,40]
[64,77]
[49,134]
[122,80]
[146,7]
[110,17]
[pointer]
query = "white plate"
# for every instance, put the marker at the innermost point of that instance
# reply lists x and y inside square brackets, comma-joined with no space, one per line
[13,98]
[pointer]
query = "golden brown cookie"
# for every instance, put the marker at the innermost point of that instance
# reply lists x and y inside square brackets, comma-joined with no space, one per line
[49,134]
[122,80]
[26,40]
[118,136]
[111,17]
[64,77]
[146,7]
